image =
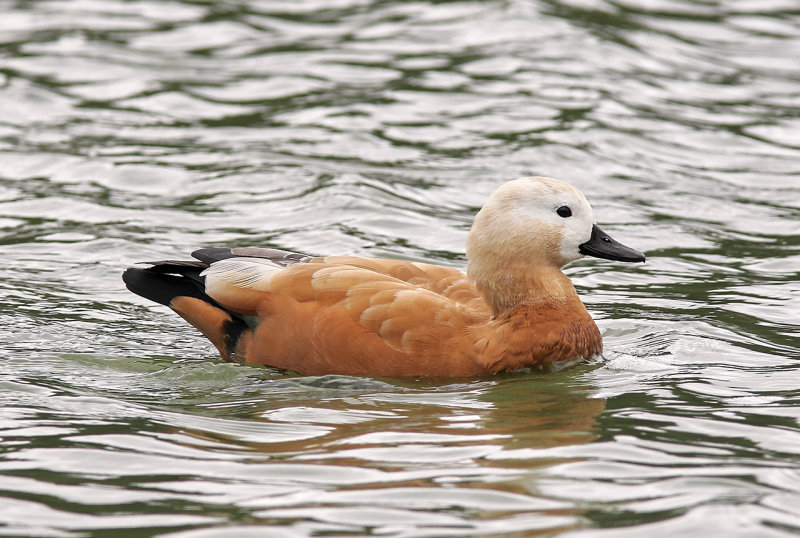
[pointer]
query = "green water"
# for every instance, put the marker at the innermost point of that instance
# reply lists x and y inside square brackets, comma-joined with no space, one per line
[140,130]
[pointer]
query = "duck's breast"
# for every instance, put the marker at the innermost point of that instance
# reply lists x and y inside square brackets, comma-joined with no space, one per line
[539,335]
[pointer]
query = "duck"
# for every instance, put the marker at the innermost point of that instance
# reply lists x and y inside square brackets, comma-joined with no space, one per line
[513,309]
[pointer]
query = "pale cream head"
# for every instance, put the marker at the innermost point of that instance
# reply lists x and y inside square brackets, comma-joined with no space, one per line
[528,229]
[522,220]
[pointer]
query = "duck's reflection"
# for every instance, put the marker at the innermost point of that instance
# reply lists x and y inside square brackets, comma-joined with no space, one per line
[403,421]
[469,452]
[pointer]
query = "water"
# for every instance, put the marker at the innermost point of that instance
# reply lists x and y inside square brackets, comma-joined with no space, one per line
[141,130]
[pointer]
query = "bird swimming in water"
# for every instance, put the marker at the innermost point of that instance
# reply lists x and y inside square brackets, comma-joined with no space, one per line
[513,309]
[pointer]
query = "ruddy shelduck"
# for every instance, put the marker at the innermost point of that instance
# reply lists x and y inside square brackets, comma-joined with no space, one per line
[513,309]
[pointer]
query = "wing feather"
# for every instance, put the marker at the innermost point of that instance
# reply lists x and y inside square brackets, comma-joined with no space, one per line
[239,283]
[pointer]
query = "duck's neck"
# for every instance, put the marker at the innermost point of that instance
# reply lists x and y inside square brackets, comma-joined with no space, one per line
[507,286]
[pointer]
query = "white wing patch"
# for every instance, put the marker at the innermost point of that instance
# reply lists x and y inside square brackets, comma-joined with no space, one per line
[253,273]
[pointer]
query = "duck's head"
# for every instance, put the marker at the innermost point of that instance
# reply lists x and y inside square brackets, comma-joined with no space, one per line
[534,223]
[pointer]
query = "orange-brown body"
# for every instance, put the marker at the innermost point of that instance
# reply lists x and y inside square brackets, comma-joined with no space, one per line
[360,316]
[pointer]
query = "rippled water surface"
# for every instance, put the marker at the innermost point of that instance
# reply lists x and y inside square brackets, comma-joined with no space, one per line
[140,130]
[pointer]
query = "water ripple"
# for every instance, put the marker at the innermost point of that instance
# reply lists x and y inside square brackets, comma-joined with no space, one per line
[141,130]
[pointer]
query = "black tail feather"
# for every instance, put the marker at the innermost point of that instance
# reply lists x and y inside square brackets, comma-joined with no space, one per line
[165,281]
[162,287]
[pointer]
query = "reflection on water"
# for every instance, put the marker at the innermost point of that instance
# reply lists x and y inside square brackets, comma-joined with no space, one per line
[141,130]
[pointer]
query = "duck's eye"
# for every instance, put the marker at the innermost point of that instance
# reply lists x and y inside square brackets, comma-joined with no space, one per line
[564,211]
